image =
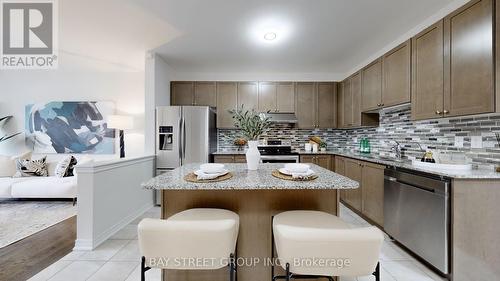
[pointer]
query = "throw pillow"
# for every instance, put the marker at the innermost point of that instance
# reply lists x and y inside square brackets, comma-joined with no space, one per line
[65,167]
[8,163]
[7,166]
[31,168]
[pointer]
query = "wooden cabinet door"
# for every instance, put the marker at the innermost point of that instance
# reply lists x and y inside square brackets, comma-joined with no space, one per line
[371,86]
[240,159]
[306,159]
[227,93]
[356,99]
[427,94]
[353,171]
[327,105]
[340,169]
[373,192]
[340,105]
[248,95]
[323,161]
[396,75]
[347,104]
[286,97]
[223,159]
[469,73]
[182,93]
[305,102]
[205,93]
[267,96]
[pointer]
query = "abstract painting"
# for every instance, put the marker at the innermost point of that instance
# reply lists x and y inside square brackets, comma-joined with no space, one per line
[70,127]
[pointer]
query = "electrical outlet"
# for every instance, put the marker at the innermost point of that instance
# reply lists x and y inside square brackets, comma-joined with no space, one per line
[459,141]
[476,142]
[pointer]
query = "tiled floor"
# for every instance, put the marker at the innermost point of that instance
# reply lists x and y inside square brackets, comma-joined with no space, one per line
[118,259]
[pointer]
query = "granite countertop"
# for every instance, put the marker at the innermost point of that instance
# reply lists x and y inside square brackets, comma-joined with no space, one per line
[249,180]
[479,173]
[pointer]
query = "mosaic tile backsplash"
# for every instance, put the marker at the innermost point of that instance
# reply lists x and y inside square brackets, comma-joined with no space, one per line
[438,135]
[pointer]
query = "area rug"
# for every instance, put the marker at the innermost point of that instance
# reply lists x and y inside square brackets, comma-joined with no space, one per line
[20,219]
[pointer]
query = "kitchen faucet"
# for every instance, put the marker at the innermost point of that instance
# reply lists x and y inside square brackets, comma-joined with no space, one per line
[397,149]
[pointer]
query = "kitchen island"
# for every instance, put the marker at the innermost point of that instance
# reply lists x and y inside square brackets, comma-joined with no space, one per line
[255,196]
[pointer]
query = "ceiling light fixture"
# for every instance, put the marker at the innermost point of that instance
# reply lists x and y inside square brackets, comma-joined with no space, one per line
[270,36]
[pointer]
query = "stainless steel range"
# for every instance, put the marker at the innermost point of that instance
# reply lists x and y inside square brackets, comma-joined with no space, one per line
[278,151]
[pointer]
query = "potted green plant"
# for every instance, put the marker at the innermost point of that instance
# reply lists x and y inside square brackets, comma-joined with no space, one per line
[252,125]
[322,146]
[3,120]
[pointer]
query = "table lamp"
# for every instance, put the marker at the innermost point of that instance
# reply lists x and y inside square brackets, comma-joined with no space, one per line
[121,122]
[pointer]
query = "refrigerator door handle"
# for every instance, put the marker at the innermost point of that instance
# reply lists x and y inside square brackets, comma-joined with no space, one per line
[180,139]
[183,139]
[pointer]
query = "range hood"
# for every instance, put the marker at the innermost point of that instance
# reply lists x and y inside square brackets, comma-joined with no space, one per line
[277,117]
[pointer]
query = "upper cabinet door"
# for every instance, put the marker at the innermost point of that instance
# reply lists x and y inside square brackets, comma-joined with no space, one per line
[205,93]
[427,73]
[267,96]
[182,93]
[469,58]
[347,103]
[306,105]
[371,87]
[356,99]
[340,105]
[286,97]
[327,105]
[248,95]
[396,75]
[227,93]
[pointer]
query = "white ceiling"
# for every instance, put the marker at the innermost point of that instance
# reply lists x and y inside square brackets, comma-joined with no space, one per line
[322,36]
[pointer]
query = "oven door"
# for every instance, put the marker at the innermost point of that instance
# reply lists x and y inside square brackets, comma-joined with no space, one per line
[280,158]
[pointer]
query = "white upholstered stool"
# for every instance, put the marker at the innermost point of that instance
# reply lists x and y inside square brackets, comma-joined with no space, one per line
[190,240]
[312,243]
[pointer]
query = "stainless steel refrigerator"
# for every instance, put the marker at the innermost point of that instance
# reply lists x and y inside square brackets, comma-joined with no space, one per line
[184,134]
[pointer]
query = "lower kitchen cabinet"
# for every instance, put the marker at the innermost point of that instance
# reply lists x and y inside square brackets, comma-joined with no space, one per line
[324,161]
[372,180]
[368,199]
[224,159]
[353,170]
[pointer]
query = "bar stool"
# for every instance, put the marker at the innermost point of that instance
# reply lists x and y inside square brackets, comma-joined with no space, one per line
[195,239]
[313,244]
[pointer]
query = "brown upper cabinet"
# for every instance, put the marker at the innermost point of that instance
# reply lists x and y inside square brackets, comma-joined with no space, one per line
[194,93]
[227,99]
[371,86]
[182,93]
[453,64]
[285,97]
[276,97]
[427,99]
[340,104]
[205,93]
[396,75]
[352,101]
[248,95]
[386,81]
[469,60]
[316,105]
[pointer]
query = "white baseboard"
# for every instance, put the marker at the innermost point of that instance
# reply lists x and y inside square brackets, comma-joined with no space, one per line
[89,245]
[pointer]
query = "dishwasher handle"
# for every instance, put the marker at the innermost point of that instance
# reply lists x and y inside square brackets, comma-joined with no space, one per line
[423,188]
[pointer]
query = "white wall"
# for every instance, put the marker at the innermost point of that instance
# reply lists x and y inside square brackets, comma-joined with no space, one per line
[158,77]
[77,79]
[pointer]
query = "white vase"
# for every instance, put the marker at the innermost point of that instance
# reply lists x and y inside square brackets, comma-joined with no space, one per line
[253,155]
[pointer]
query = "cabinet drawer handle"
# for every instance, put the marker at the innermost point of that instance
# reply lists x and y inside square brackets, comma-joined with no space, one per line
[446,111]
[438,112]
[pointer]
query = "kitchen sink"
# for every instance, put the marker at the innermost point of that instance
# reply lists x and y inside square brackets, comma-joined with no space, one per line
[442,166]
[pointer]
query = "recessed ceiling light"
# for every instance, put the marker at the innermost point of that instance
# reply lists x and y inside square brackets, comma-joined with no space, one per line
[270,36]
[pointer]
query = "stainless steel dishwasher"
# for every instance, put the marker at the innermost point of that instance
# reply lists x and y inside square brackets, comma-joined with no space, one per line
[417,214]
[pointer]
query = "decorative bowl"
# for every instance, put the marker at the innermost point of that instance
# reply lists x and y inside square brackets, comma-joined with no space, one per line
[212,168]
[297,167]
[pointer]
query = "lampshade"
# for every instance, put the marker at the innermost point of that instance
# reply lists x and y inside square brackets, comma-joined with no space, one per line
[120,122]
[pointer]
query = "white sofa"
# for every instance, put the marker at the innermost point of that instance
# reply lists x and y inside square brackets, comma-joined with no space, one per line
[39,187]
